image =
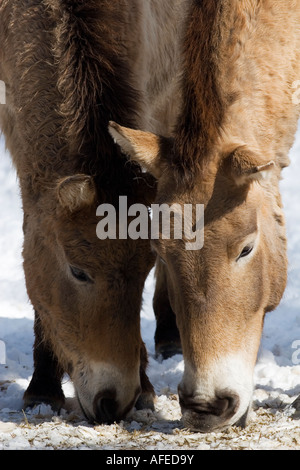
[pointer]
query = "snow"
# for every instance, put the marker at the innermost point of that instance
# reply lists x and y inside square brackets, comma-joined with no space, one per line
[274,424]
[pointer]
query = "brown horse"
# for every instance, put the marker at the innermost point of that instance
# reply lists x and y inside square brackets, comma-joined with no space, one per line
[69,66]
[237,125]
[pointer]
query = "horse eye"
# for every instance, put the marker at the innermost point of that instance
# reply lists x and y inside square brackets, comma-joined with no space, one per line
[246,251]
[80,275]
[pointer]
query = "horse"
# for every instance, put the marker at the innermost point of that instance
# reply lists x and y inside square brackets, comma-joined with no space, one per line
[70,66]
[236,125]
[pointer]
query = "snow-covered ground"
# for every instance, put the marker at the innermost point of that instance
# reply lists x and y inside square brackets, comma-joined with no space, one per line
[273,424]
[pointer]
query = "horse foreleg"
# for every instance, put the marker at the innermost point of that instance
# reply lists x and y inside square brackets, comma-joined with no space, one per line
[147,397]
[45,386]
[167,337]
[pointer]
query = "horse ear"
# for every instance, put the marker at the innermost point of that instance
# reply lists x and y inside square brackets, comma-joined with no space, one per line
[141,147]
[245,166]
[76,192]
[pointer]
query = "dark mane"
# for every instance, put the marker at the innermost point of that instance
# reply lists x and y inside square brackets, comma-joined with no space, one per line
[204,100]
[70,74]
[94,83]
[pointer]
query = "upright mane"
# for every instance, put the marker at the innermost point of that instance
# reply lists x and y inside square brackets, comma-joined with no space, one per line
[94,81]
[204,105]
[209,43]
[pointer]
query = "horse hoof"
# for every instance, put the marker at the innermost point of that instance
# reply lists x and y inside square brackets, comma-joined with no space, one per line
[32,400]
[145,401]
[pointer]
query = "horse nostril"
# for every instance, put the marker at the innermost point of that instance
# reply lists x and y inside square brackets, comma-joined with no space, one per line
[223,406]
[106,407]
[205,415]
